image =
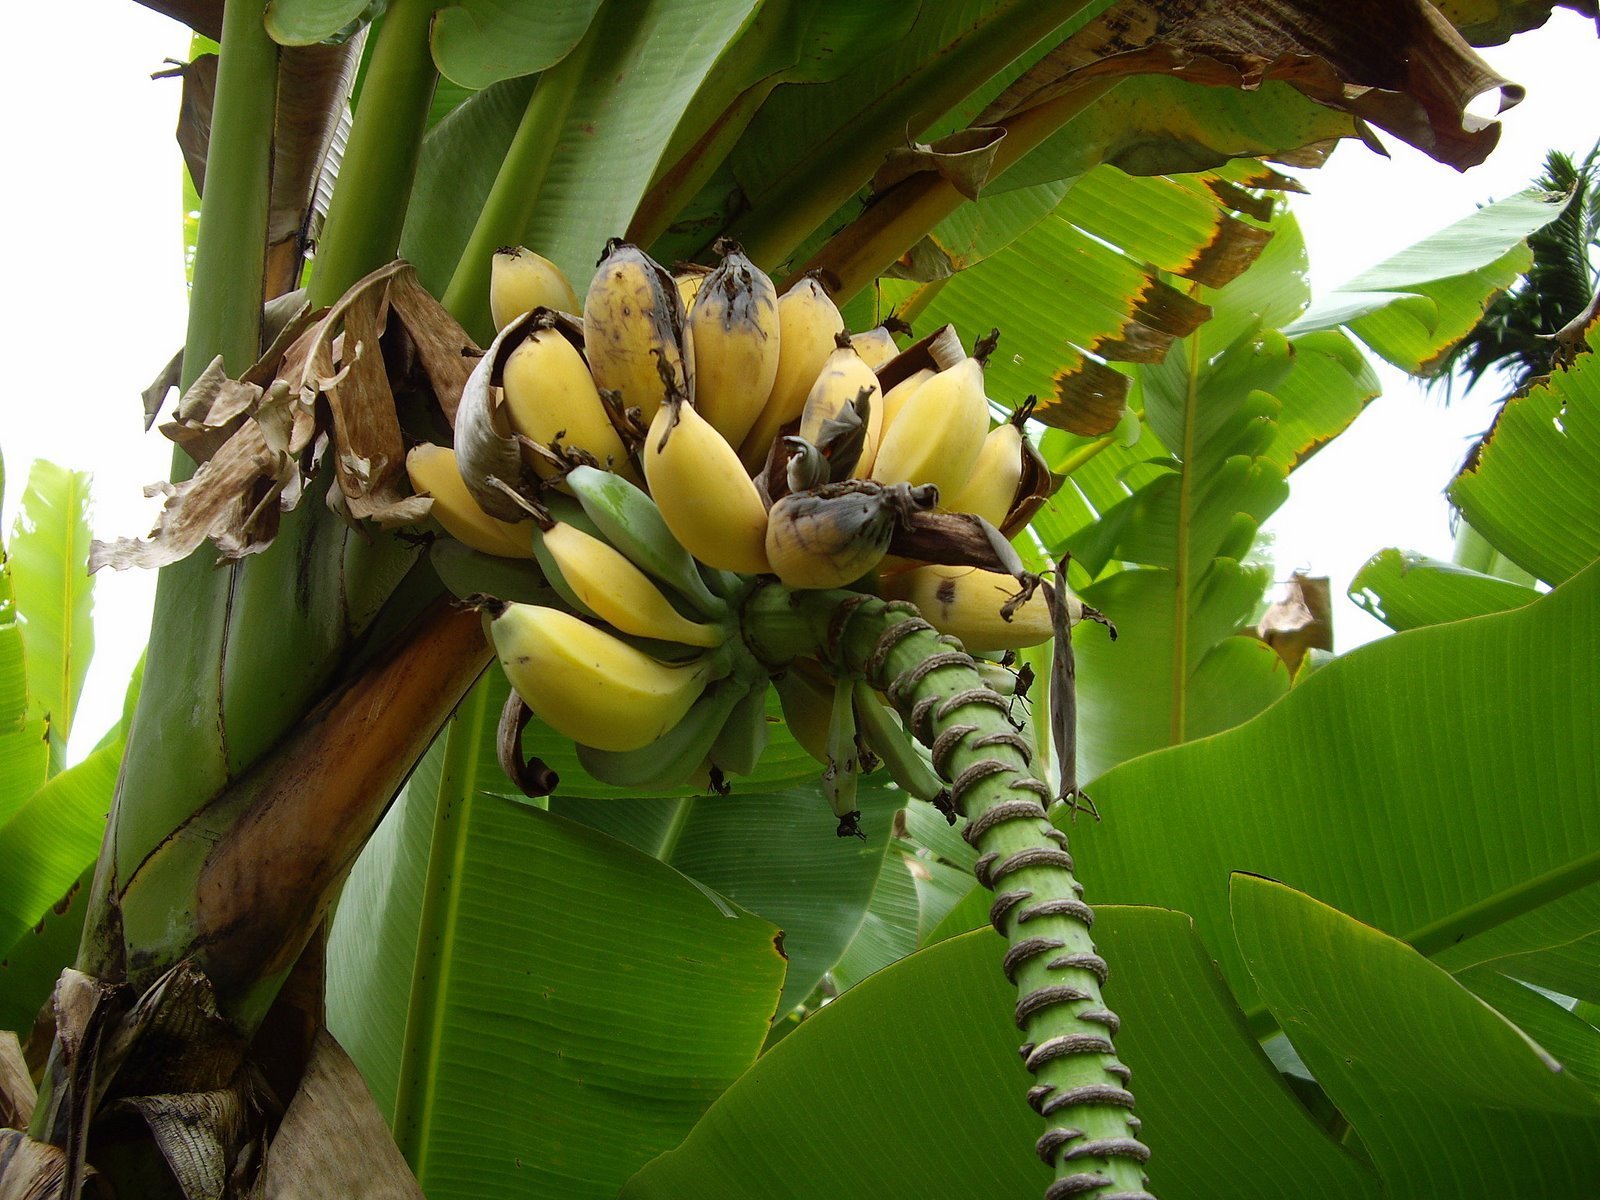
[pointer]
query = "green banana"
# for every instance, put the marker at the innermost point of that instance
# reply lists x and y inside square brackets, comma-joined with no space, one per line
[673,758]
[843,771]
[912,773]
[743,738]
[630,521]
[469,573]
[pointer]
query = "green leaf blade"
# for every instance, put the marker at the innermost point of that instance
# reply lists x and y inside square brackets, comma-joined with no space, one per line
[1448,1096]
[49,556]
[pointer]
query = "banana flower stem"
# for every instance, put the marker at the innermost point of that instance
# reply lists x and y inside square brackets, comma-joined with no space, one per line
[1080,1086]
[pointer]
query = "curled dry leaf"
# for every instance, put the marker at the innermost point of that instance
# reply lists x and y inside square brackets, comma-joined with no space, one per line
[16,1084]
[1299,620]
[486,448]
[965,158]
[259,438]
[333,1140]
[31,1170]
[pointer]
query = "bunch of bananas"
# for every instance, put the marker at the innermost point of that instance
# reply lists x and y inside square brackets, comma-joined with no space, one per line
[657,456]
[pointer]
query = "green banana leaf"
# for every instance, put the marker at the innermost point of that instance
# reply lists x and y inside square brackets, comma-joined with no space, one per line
[908,1085]
[1415,305]
[479,42]
[506,1061]
[1531,489]
[1408,591]
[459,160]
[48,559]
[1570,1038]
[889,929]
[303,22]
[24,736]
[770,847]
[51,842]
[30,968]
[614,137]
[1437,784]
[1156,125]
[1448,1097]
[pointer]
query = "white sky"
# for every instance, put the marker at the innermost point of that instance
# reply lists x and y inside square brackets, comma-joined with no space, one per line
[93,214]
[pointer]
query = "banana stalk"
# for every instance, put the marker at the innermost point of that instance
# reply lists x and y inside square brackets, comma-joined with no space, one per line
[1081,1087]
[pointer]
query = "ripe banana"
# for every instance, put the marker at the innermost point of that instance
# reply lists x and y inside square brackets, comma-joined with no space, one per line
[672,759]
[689,280]
[843,769]
[938,432]
[605,583]
[734,329]
[806,693]
[992,487]
[807,324]
[895,398]
[876,346]
[829,536]
[551,399]
[743,737]
[912,772]
[628,519]
[966,602]
[706,499]
[633,330]
[844,376]
[588,685]
[433,471]
[521,281]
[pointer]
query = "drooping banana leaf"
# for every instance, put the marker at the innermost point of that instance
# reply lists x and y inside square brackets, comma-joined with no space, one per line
[48,557]
[1530,489]
[505,1060]
[906,1084]
[1438,784]
[1448,1097]
[1408,591]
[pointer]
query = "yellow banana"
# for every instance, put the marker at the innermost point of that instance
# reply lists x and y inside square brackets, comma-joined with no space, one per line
[829,536]
[706,499]
[894,399]
[734,329]
[615,590]
[551,397]
[966,602]
[843,377]
[876,346]
[689,280]
[633,325]
[521,281]
[807,324]
[992,487]
[433,471]
[938,431]
[588,685]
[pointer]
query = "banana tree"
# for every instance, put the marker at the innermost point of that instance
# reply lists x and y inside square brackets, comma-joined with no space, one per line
[292,690]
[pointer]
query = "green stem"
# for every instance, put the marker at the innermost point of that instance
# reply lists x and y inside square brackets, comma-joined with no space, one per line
[431,971]
[1085,453]
[1177,729]
[1081,1086]
[917,303]
[515,193]
[231,246]
[369,203]
[824,178]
